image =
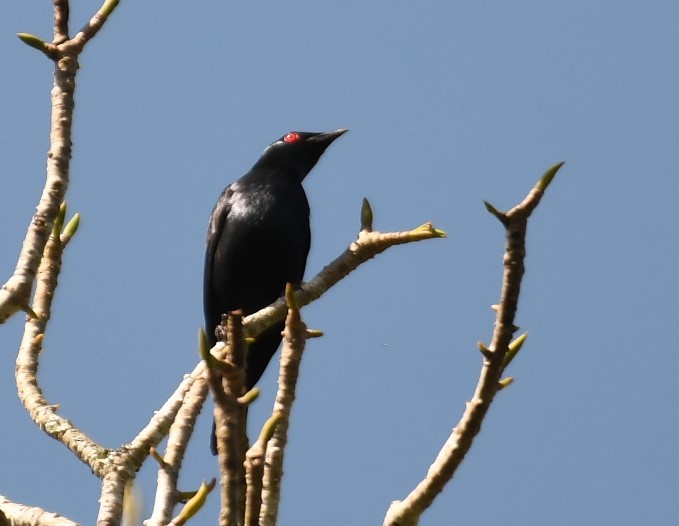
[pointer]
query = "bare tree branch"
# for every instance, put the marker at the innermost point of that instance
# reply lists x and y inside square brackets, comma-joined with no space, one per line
[120,466]
[116,468]
[227,387]
[41,256]
[167,495]
[254,469]
[294,338]
[408,511]
[61,14]
[20,515]
[94,25]
[368,245]
[15,293]
[41,411]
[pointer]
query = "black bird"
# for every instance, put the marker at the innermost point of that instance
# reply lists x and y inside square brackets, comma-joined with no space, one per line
[258,240]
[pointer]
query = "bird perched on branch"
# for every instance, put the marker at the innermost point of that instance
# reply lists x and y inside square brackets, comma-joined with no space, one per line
[258,240]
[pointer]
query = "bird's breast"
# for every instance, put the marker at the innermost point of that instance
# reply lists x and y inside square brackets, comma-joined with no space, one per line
[274,206]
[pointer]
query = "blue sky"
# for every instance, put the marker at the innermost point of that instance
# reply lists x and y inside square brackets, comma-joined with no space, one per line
[448,104]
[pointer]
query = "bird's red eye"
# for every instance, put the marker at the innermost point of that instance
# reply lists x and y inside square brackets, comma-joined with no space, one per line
[292,137]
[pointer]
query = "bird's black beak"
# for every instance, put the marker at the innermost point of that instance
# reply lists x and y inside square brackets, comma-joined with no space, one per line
[328,137]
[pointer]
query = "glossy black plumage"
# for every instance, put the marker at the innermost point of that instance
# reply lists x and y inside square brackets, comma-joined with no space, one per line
[258,239]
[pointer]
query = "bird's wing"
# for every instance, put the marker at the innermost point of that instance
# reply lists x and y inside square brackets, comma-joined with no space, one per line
[218,219]
[216,227]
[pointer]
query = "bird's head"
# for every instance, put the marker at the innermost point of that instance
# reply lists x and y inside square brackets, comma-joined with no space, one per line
[298,151]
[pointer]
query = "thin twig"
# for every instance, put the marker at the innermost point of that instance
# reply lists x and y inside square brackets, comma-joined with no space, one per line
[408,511]
[159,425]
[15,293]
[177,441]
[43,413]
[94,25]
[368,245]
[254,471]
[121,465]
[294,337]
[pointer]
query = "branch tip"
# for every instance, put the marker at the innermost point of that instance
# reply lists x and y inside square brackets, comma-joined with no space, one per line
[513,349]
[34,42]
[366,216]
[505,382]
[70,229]
[249,397]
[501,216]
[484,350]
[157,457]
[427,231]
[547,177]
[59,220]
[108,7]
[269,427]
[196,502]
[204,349]
[497,354]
